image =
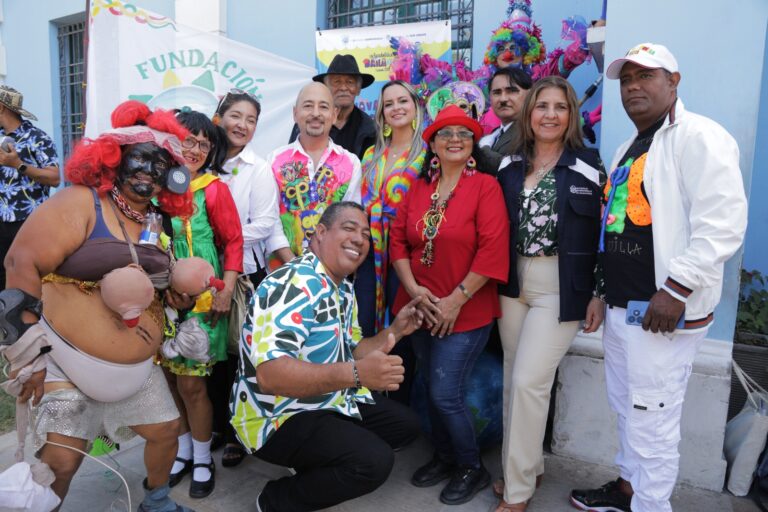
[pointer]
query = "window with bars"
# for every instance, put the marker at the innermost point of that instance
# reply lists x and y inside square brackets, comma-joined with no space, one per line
[363,13]
[71,79]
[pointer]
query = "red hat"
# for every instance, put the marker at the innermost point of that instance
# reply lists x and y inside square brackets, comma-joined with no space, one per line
[451,116]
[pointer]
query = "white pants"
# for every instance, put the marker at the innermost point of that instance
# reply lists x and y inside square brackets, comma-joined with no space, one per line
[646,375]
[534,342]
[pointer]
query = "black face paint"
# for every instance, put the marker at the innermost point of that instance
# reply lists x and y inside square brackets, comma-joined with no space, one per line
[147,161]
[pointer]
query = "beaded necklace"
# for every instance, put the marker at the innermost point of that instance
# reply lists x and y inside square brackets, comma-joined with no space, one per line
[127,210]
[432,219]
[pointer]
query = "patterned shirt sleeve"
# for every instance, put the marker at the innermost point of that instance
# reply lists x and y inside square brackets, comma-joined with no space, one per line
[44,150]
[283,316]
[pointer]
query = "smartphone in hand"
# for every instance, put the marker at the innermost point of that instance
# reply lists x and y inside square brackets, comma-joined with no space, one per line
[636,312]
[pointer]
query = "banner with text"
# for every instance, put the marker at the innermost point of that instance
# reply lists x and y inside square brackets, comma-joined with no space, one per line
[374,49]
[137,54]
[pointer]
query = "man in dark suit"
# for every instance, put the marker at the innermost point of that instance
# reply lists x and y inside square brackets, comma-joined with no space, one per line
[508,88]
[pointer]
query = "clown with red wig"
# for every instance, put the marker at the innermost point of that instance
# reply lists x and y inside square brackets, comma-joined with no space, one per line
[88,372]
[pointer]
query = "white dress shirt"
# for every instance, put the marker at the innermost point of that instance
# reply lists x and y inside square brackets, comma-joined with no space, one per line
[255,193]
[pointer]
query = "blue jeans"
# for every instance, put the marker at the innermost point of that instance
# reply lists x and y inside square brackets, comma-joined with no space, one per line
[445,364]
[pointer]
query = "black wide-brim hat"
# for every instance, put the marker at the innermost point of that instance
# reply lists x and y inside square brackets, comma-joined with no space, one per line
[345,65]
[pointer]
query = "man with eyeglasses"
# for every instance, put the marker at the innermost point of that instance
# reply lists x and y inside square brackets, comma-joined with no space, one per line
[354,130]
[311,173]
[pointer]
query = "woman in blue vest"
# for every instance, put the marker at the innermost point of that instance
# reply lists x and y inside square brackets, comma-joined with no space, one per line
[552,190]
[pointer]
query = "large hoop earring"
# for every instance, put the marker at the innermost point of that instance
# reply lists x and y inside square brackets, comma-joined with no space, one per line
[387,130]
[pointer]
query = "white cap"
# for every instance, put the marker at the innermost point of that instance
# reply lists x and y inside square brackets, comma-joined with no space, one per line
[647,55]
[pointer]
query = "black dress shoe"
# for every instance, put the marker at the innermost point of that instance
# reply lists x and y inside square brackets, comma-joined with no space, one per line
[202,489]
[175,478]
[433,472]
[464,484]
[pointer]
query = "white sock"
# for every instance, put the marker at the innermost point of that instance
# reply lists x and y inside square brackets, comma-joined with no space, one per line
[202,451]
[184,452]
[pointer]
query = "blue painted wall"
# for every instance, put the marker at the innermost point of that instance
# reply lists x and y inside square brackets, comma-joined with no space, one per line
[718,80]
[285,28]
[756,245]
[32,53]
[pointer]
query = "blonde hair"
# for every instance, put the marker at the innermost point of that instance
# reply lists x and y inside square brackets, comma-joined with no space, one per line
[525,139]
[382,142]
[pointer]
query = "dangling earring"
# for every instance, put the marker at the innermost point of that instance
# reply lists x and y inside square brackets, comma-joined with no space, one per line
[414,124]
[471,167]
[387,130]
[434,168]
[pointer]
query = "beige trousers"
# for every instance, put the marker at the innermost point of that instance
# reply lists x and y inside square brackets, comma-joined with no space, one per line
[534,342]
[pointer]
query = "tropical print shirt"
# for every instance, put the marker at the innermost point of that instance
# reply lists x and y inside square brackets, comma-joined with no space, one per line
[297,312]
[381,195]
[20,194]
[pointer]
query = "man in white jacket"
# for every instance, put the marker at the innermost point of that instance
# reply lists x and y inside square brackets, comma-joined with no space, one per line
[675,212]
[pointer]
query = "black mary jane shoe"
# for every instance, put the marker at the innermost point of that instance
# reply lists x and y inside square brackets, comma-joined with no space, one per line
[464,484]
[202,489]
[175,478]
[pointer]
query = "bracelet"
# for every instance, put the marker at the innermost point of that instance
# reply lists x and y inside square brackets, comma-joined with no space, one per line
[463,289]
[358,385]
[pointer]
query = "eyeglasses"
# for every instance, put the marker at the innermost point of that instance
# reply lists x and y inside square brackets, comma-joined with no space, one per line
[236,92]
[447,134]
[191,142]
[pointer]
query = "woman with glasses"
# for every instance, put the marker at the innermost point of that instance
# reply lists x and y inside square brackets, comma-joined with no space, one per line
[255,193]
[552,191]
[389,168]
[212,233]
[449,245]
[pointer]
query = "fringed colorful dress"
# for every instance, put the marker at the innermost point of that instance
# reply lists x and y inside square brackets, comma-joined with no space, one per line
[214,234]
[381,196]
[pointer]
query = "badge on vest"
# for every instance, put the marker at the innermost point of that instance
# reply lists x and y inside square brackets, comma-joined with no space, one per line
[581,191]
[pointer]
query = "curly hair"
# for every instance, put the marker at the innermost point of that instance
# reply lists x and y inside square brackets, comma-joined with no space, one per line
[94,162]
[530,43]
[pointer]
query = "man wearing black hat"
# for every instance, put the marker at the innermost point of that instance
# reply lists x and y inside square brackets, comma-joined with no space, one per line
[28,168]
[354,130]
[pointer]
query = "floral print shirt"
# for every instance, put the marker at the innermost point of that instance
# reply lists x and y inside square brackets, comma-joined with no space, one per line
[537,232]
[296,312]
[20,194]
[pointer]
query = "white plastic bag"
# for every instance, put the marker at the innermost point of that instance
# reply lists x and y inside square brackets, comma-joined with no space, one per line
[27,488]
[745,435]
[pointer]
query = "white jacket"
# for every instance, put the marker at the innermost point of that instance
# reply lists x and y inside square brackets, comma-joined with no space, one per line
[699,210]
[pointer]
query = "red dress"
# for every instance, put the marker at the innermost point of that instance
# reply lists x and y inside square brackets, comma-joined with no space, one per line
[474,236]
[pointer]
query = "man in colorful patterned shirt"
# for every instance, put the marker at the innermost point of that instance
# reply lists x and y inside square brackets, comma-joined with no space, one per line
[301,395]
[28,168]
[311,173]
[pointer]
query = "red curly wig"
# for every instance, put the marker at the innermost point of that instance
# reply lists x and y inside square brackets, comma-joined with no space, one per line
[94,163]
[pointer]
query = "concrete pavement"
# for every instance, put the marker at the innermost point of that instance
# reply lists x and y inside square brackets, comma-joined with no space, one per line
[96,489]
